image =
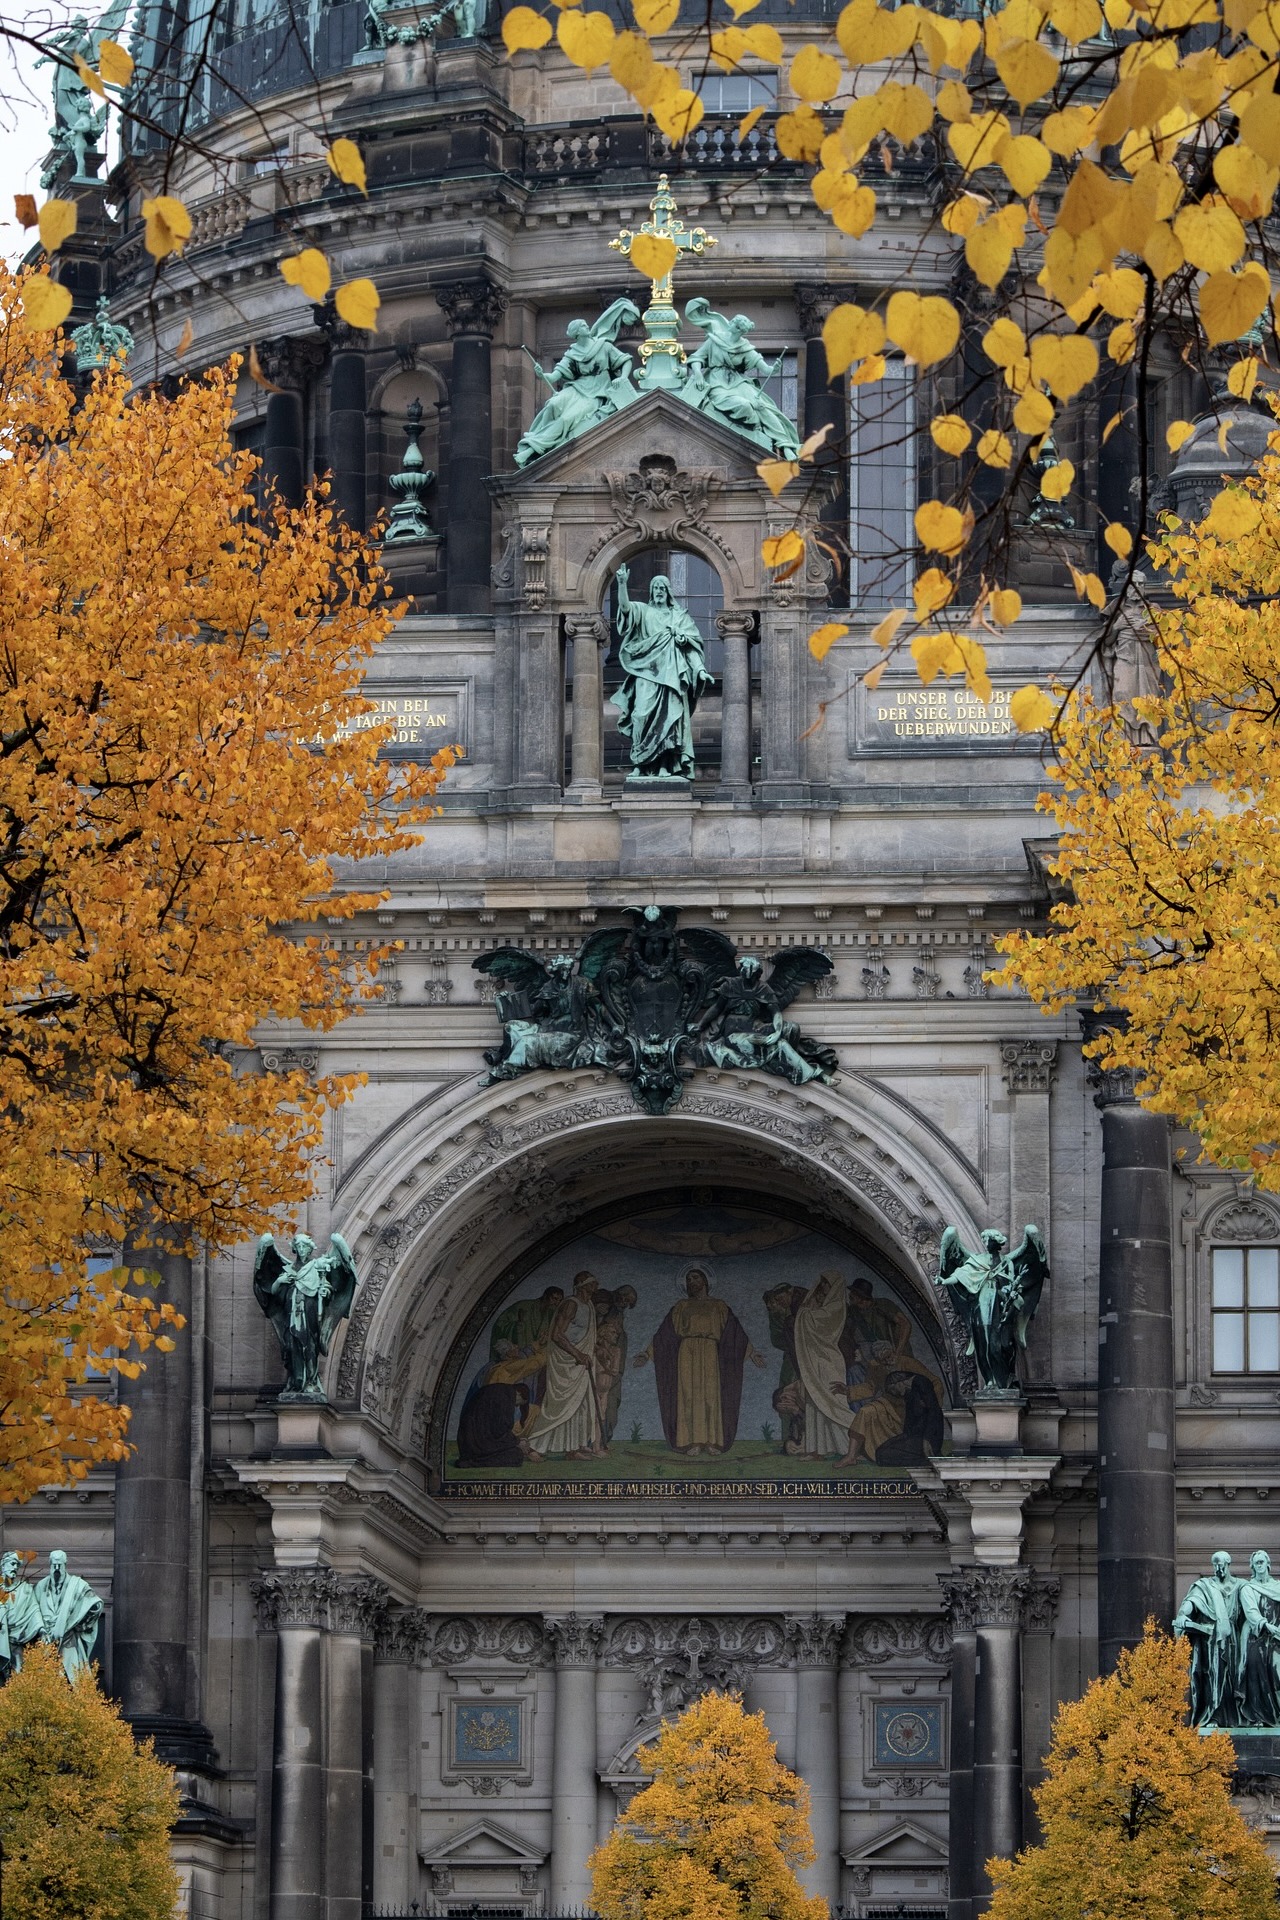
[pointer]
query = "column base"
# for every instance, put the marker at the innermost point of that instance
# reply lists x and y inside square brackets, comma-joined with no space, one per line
[186,1745]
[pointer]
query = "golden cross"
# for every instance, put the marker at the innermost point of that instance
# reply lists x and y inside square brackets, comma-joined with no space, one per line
[665,225]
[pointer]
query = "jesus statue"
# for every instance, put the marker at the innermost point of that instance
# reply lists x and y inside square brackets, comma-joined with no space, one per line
[662,657]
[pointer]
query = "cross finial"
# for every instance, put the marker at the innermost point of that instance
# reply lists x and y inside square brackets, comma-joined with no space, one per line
[661,322]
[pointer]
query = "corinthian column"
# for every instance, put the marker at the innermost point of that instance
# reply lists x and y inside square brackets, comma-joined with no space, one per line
[985,1606]
[355,1607]
[295,1601]
[472,310]
[587,634]
[814,1641]
[398,1641]
[736,630]
[573,1765]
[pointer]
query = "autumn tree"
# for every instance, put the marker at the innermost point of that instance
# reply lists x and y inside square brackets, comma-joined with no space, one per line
[1136,1809]
[719,1832]
[85,1812]
[1167,807]
[186,761]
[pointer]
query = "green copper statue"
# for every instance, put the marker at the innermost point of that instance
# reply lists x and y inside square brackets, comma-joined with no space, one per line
[305,1300]
[995,1295]
[592,380]
[666,675]
[1209,1620]
[20,1621]
[77,124]
[69,1612]
[724,380]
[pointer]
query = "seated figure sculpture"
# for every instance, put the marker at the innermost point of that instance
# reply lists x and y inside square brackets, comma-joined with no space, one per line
[590,381]
[724,379]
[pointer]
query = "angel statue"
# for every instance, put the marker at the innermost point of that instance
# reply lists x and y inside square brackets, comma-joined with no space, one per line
[543,1010]
[77,124]
[592,379]
[305,1299]
[995,1295]
[725,380]
[744,1027]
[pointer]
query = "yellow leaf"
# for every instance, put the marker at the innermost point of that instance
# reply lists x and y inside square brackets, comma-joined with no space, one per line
[1119,15]
[1119,539]
[814,75]
[256,374]
[45,304]
[932,590]
[885,630]
[749,120]
[782,549]
[854,209]
[1177,434]
[799,134]
[872,679]
[1248,182]
[57,222]
[631,62]
[926,326]
[1004,342]
[961,216]
[1116,420]
[1224,429]
[975,142]
[655,16]
[908,112]
[308,270]
[1232,515]
[1076,20]
[89,78]
[1094,591]
[869,33]
[1122,343]
[1260,126]
[765,42]
[1033,414]
[24,210]
[1027,69]
[167,226]
[814,441]
[677,112]
[1070,262]
[1162,251]
[1121,293]
[524,30]
[850,333]
[1031,710]
[346,161]
[1063,362]
[777,474]
[988,251]
[1243,378]
[995,449]
[1055,482]
[940,528]
[187,336]
[1006,606]
[357,303]
[653,255]
[822,641]
[1211,236]
[973,659]
[1231,302]
[955,102]
[951,433]
[114,64]
[1067,132]
[1025,162]
[936,653]
[585,38]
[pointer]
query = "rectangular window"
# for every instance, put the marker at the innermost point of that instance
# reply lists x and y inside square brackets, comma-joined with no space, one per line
[1246,1309]
[782,386]
[736,93]
[882,487]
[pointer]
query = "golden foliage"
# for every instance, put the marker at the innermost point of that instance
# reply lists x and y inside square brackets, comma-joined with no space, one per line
[1166,806]
[184,761]
[1136,1810]
[85,1813]
[719,1832]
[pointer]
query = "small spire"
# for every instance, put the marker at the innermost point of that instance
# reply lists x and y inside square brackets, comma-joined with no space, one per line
[408,516]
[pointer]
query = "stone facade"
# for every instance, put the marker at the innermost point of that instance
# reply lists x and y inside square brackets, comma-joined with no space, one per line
[377,1690]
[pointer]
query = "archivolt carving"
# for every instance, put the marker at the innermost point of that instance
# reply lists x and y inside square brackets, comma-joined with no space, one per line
[1251,1219]
[813,1135]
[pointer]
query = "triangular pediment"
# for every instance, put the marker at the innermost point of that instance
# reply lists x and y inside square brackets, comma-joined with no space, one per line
[659,423]
[903,1845]
[484,1844]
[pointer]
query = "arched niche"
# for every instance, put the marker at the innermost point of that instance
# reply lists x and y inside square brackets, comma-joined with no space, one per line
[389,404]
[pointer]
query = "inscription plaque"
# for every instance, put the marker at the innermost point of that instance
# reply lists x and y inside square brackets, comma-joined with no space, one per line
[950,717]
[425,720]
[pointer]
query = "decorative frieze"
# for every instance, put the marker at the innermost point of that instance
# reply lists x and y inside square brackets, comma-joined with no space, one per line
[908,1636]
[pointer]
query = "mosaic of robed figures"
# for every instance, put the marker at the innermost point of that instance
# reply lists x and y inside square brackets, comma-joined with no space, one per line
[694,1344]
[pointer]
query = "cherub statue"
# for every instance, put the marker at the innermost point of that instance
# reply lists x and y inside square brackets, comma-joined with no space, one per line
[77,124]
[995,1295]
[305,1299]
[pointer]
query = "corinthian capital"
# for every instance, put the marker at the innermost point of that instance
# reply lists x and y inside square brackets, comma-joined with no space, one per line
[576,1637]
[471,306]
[813,1639]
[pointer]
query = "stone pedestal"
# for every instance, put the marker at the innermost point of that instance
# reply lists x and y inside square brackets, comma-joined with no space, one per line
[814,1641]
[573,1766]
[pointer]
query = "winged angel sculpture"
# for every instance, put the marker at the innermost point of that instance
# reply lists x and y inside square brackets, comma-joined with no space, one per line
[652,1002]
[77,124]
[305,1299]
[995,1295]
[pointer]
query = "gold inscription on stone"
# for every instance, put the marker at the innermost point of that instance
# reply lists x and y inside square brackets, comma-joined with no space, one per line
[938,713]
[419,722]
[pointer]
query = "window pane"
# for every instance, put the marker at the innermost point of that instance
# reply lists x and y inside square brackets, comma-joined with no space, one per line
[1264,1343]
[1228,1343]
[882,486]
[1264,1277]
[1228,1277]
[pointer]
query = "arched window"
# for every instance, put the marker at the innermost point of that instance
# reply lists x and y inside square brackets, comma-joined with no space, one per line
[1245,1309]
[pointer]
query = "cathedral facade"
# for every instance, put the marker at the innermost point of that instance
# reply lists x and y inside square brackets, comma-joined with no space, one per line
[647,1384]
